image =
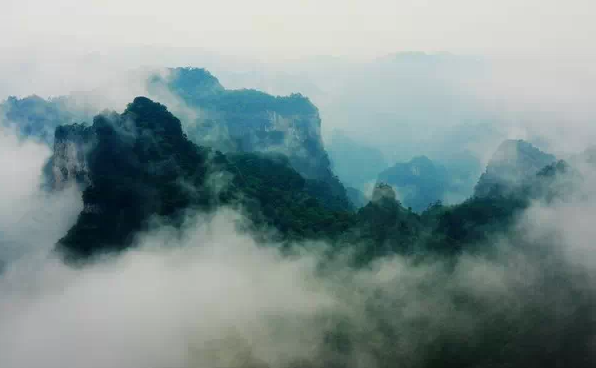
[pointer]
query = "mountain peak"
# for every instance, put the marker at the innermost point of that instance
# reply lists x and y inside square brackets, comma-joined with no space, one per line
[154,116]
[513,162]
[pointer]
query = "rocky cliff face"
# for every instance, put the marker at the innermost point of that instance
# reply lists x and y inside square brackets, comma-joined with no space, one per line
[134,165]
[69,163]
[511,165]
[249,121]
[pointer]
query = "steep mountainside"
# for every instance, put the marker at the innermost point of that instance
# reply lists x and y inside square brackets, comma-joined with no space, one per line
[69,161]
[139,165]
[514,162]
[231,121]
[135,162]
[385,227]
[250,121]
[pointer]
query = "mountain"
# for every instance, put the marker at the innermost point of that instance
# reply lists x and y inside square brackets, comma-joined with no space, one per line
[513,162]
[231,121]
[139,166]
[145,164]
[250,121]
[69,161]
[419,182]
[133,162]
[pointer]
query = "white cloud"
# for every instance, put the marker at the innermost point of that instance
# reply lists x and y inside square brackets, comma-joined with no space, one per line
[215,297]
[30,219]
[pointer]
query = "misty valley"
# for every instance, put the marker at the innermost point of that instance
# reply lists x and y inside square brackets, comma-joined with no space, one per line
[199,226]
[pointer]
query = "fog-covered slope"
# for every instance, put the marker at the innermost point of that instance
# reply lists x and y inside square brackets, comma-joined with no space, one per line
[37,117]
[513,162]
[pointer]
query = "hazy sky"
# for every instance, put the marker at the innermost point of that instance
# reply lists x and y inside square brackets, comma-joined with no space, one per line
[542,60]
[274,29]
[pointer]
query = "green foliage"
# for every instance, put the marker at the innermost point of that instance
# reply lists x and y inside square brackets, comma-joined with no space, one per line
[385,227]
[250,101]
[136,167]
[473,222]
[142,167]
[279,196]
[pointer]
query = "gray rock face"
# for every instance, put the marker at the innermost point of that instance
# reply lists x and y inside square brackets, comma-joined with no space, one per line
[246,120]
[511,165]
[69,161]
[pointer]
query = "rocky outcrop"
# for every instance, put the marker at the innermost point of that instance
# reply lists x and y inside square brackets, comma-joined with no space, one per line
[69,163]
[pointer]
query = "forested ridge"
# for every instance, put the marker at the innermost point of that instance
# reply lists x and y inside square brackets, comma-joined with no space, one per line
[143,168]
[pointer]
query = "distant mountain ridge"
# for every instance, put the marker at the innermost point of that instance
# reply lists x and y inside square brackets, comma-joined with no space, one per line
[37,118]
[419,181]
